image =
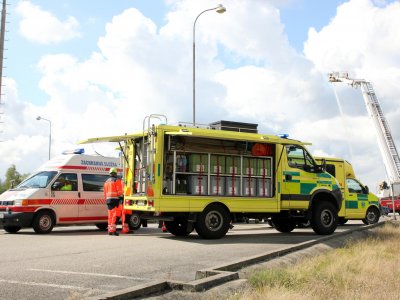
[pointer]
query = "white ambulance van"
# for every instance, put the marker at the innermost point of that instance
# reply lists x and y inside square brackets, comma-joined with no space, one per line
[64,191]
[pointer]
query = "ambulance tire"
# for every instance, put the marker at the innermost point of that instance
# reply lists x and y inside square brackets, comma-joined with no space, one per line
[134,221]
[178,227]
[102,226]
[12,229]
[324,219]
[213,222]
[283,225]
[372,216]
[43,222]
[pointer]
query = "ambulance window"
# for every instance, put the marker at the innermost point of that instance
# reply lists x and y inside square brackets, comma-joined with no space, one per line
[299,158]
[353,186]
[39,180]
[66,182]
[93,182]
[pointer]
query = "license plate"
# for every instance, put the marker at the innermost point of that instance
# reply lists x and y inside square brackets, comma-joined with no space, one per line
[140,203]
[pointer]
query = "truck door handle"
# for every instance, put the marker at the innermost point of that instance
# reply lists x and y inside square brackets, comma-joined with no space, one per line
[79,194]
[288,177]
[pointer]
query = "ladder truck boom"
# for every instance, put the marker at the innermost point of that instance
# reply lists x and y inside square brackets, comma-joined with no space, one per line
[385,140]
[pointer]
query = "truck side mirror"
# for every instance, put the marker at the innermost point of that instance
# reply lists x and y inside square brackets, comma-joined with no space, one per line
[366,190]
[323,165]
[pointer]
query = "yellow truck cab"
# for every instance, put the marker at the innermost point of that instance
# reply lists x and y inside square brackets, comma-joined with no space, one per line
[359,203]
[202,179]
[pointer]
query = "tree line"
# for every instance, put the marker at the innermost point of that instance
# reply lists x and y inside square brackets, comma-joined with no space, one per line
[13,178]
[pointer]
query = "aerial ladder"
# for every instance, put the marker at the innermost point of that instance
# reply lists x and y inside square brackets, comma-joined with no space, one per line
[386,143]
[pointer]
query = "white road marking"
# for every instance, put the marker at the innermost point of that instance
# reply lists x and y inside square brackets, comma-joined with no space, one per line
[45,284]
[89,274]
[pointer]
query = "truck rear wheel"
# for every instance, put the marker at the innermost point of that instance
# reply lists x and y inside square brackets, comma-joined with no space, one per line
[12,229]
[324,218]
[283,224]
[134,221]
[43,222]
[213,222]
[178,227]
[372,216]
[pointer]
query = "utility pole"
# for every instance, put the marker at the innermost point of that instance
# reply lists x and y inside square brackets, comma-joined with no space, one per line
[2,33]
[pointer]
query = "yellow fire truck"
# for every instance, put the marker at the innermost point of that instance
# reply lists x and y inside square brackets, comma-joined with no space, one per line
[203,178]
[358,203]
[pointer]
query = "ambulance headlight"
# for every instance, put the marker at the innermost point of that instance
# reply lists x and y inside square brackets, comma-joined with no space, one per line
[20,202]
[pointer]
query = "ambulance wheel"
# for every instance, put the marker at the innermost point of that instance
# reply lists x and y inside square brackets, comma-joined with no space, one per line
[324,218]
[102,226]
[342,221]
[178,227]
[43,222]
[12,229]
[213,222]
[372,216]
[283,224]
[134,221]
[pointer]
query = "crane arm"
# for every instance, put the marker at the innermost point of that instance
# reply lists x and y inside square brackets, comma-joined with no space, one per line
[385,140]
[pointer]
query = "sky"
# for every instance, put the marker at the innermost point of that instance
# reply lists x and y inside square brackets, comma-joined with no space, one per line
[97,68]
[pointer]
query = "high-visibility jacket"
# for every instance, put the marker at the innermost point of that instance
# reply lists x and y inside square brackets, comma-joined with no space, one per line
[113,188]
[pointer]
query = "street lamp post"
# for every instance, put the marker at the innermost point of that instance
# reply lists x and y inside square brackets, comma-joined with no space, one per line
[219,9]
[40,118]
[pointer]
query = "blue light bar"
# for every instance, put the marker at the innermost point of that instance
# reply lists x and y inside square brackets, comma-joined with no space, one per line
[283,135]
[75,151]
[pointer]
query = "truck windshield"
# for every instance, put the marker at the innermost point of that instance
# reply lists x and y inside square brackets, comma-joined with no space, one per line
[38,180]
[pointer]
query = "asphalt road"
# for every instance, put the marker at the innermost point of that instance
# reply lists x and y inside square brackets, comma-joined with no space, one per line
[80,261]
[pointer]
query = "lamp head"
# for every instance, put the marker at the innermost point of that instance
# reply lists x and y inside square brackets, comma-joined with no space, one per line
[220,9]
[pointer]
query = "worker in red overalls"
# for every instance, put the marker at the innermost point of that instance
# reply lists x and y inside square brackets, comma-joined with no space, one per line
[114,194]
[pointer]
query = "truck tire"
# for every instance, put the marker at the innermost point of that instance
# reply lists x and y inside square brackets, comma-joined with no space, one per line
[372,216]
[12,229]
[178,227]
[43,222]
[134,221]
[213,222]
[324,218]
[283,225]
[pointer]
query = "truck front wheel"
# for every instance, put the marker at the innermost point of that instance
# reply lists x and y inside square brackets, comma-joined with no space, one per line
[372,216]
[324,218]
[213,222]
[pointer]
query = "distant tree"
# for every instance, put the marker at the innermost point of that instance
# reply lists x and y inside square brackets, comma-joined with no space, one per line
[2,187]
[13,178]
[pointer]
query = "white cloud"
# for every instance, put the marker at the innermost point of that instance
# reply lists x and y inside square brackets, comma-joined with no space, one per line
[40,26]
[139,69]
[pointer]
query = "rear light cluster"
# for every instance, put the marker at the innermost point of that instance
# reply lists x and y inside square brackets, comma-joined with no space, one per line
[140,202]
